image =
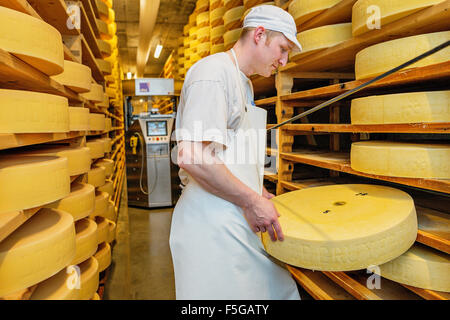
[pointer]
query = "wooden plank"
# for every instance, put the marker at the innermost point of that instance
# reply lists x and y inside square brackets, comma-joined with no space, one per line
[321,75]
[266,101]
[11,140]
[20,5]
[318,285]
[295,129]
[88,33]
[342,56]
[306,183]
[88,59]
[440,71]
[341,12]
[340,161]
[91,15]
[352,286]
[54,12]
[428,294]
[262,85]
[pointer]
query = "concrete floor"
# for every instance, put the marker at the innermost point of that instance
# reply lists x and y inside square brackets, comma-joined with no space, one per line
[141,267]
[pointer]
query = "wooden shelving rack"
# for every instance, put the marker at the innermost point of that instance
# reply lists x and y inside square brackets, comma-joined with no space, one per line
[16,74]
[332,69]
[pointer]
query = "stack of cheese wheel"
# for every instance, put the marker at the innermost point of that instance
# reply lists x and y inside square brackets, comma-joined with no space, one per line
[217,31]
[389,11]
[76,76]
[253,3]
[203,19]
[379,58]
[232,22]
[96,122]
[78,119]
[343,227]
[96,94]
[303,10]
[201,6]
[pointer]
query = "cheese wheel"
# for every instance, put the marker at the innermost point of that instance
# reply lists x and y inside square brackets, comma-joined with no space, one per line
[229,4]
[389,11]
[343,227]
[320,38]
[203,34]
[108,164]
[102,229]
[96,148]
[89,278]
[76,76]
[204,49]
[303,10]
[37,250]
[95,296]
[102,10]
[58,287]
[193,33]
[252,3]
[379,58]
[231,37]
[111,212]
[216,16]
[203,19]
[103,256]
[78,119]
[104,31]
[112,17]
[414,107]
[101,204]
[32,112]
[42,47]
[112,42]
[202,5]
[111,231]
[107,187]
[108,127]
[96,121]
[95,94]
[78,158]
[232,18]
[213,4]
[217,48]
[401,159]
[80,203]
[217,35]
[96,176]
[108,3]
[85,240]
[32,181]
[104,66]
[421,267]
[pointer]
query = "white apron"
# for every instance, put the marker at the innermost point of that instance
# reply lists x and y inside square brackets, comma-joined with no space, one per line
[215,253]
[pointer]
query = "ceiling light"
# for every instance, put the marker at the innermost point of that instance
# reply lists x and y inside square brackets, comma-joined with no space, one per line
[158,51]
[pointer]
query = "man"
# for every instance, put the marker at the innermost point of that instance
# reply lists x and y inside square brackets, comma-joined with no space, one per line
[216,251]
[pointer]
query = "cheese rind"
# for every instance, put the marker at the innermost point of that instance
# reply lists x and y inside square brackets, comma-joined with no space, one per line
[217,48]
[111,231]
[89,278]
[57,287]
[413,107]
[216,16]
[103,256]
[96,121]
[232,18]
[303,10]
[85,240]
[96,149]
[32,181]
[76,76]
[111,212]
[32,112]
[421,267]
[217,34]
[78,119]
[108,164]
[108,187]
[401,159]
[231,37]
[343,227]
[96,176]
[101,204]
[379,58]
[203,19]
[37,250]
[104,65]
[95,94]
[31,40]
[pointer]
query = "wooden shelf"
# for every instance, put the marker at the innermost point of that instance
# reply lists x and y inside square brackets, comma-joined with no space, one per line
[308,128]
[54,12]
[16,140]
[271,176]
[340,161]
[88,59]
[91,15]
[89,34]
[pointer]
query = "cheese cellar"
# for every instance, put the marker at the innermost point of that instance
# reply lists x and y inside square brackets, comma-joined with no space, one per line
[111,109]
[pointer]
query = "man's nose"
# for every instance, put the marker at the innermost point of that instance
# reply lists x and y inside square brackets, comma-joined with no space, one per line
[283,60]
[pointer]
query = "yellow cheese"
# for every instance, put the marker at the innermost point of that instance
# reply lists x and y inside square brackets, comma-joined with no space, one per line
[213,4]
[231,37]
[379,58]
[389,11]
[103,256]
[96,121]
[421,267]
[78,119]
[343,227]
[102,10]
[232,18]
[104,65]
[37,250]
[180,52]
[61,286]
[112,42]
[104,31]
[95,296]
[89,278]
[216,16]
[105,101]
[30,112]
[31,40]
[96,176]
[32,181]
[401,159]
[111,231]
[112,17]
[193,33]
[303,10]
[76,76]
[253,3]
[80,203]
[204,49]
[107,144]
[85,240]
[96,148]
[102,229]
[78,158]
[107,187]
[95,94]
[415,107]
[217,48]
[111,212]
[108,164]
[203,34]
[202,5]
[217,34]
[108,3]
[316,39]
[101,204]
[229,4]
[203,19]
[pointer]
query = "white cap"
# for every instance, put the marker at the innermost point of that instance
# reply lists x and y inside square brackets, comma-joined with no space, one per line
[273,18]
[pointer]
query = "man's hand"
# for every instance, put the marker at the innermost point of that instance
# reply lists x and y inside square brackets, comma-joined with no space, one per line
[262,215]
[266,194]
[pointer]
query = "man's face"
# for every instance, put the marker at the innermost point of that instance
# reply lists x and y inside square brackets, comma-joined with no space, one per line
[272,54]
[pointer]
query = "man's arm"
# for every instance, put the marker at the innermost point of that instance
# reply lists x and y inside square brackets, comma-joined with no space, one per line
[200,162]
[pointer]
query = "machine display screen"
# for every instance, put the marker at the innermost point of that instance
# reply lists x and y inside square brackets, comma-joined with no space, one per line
[156,128]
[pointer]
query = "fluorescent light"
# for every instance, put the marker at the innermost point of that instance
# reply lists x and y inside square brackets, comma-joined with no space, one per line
[158,51]
[129,75]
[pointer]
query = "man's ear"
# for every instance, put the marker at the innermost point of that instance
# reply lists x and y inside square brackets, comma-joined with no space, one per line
[259,34]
